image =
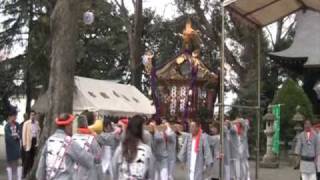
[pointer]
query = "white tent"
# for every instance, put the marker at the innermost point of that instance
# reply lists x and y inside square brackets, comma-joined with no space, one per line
[107,97]
[264,12]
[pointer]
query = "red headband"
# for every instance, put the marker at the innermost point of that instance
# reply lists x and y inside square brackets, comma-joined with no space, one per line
[65,122]
[124,121]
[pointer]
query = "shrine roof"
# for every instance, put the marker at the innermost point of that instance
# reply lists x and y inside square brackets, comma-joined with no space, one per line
[305,49]
[171,70]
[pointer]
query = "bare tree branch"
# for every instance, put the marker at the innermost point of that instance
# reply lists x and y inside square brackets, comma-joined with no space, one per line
[290,28]
[118,4]
[270,34]
[215,36]
[124,14]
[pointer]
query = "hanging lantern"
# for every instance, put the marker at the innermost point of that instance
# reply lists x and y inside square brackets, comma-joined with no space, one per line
[88,17]
[316,88]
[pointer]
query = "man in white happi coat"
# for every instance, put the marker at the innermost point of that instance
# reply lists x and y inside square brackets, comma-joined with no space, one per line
[172,147]
[109,140]
[214,142]
[237,149]
[162,136]
[244,148]
[60,153]
[87,142]
[195,152]
[308,149]
[227,154]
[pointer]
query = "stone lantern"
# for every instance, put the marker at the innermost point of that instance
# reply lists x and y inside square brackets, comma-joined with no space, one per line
[298,119]
[269,159]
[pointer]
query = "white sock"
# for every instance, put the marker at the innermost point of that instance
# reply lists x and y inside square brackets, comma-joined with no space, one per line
[19,173]
[9,172]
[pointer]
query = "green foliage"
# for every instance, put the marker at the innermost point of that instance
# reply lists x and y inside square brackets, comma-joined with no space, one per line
[204,114]
[26,23]
[291,95]
[103,46]
[10,71]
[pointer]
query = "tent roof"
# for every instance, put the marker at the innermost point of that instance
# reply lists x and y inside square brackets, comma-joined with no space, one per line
[264,12]
[305,48]
[105,97]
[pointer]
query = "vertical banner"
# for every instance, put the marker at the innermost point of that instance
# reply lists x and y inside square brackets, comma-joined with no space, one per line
[276,136]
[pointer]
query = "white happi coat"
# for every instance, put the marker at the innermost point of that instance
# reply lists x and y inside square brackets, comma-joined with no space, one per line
[109,142]
[203,158]
[244,151]
[141,168]
[88,143]
[161,150]
[72,154]
[307,148]
[214,142]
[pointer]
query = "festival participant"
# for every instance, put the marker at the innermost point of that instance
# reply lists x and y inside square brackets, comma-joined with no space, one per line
[180,135]
[30,141]
[88,143]
[123,124]
[235,130]
[243,126]
[195,152]
[161,142]
[109,140]
[214,142]
[133,159]
[308,149]
[23,153]
[172,147]
[147,137]
[13,148]
[60,153]
[227,154]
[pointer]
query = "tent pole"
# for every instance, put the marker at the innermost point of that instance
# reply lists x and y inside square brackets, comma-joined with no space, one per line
[258,102]
[222,91]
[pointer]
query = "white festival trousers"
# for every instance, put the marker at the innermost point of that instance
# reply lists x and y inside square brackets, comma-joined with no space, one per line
[227,172]
[161,169]
[309,176]
[235,169]
[171,169]
[245,169]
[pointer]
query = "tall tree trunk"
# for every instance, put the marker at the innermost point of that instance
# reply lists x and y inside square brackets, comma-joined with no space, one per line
[64,32]
[28,89]
[27,78]
[135,45]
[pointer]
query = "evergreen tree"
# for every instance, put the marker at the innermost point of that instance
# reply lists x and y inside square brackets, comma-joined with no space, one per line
[291,95]
[103,46]
[26,22]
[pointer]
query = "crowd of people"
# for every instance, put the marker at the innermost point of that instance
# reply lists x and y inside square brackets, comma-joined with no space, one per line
[21,144]
[134,148]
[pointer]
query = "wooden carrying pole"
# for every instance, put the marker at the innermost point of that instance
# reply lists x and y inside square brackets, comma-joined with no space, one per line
[221,95]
